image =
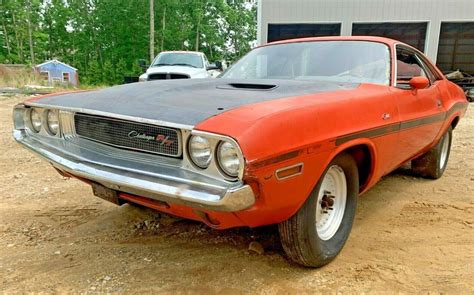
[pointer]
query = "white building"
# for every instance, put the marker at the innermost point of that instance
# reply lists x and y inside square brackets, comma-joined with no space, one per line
[443,29]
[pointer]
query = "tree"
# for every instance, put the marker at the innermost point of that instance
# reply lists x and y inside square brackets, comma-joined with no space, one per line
[94,73]
[152,30]
[108,73]
[30,33]
[120,71]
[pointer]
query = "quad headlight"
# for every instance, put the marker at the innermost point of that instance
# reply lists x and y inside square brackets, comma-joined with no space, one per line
[35,120]
[228,158]
[221,155]
[200,151]
[52,120]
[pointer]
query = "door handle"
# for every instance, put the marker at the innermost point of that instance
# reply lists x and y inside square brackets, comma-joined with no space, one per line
[439,103]
[385,116]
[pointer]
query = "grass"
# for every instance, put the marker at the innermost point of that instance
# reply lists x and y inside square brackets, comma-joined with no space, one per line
[22,77]
[19,77]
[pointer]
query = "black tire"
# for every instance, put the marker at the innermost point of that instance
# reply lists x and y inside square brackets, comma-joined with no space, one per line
[299,236]
[431,164]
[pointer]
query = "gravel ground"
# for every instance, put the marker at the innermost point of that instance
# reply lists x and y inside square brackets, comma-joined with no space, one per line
[410,235]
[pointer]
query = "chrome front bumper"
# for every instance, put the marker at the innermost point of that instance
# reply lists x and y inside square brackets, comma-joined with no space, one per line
[150,176]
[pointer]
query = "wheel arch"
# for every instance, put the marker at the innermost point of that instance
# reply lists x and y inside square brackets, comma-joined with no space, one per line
[363,151]
[454,122]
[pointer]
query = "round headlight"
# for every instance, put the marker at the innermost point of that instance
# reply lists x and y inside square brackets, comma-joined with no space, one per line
[228,158]
[200,151]
[53,122]
[35,119]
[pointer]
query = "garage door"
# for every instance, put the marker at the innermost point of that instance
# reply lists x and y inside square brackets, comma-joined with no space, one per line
[413,34]
[456,47]
[277,32]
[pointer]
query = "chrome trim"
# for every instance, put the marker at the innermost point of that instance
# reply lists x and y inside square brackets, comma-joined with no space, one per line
[19,117]
[158,181]
[67,124]
[289,167]
[112,115]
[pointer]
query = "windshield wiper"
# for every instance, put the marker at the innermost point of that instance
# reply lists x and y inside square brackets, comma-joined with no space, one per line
[181,64]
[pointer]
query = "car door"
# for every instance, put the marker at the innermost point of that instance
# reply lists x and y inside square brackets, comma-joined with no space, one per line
[420,110]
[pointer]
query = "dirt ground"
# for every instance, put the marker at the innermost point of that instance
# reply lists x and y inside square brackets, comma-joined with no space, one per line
[410,235]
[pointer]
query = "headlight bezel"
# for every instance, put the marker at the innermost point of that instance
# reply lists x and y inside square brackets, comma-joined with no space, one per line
[219,159]
[206,163]
[31,123]
[47,124]
[214,170]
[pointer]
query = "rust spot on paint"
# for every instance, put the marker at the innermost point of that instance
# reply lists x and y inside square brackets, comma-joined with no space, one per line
[313,148]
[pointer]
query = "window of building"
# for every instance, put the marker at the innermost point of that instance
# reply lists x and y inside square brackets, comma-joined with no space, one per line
[277,32]
[65,77]
[44,76]
[413,34]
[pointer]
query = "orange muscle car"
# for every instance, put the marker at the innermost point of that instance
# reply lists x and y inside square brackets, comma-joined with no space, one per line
[291,135]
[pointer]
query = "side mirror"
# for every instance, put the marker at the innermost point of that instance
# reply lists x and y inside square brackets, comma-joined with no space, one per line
[419,82]
[215,66]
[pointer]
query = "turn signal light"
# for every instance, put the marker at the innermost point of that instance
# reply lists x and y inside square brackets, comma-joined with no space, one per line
[290,171]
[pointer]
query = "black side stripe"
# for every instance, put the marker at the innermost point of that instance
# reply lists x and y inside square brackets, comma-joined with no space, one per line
[423,121]
[391,128]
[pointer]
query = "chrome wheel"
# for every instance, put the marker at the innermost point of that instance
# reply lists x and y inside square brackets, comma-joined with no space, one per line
[444,151]
[315,235]
[331,202]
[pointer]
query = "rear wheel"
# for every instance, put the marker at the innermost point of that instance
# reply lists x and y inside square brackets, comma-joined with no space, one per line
[318,231]
[433,163]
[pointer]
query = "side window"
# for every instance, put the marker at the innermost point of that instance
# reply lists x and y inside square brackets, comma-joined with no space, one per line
[433,75]
[408,66]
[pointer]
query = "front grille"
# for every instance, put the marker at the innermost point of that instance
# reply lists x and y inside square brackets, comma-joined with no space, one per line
[129,135]
[167,76]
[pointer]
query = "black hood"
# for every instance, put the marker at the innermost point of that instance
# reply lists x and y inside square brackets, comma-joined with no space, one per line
[188,101]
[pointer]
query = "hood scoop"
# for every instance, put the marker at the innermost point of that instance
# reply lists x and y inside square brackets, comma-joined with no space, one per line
[248,86]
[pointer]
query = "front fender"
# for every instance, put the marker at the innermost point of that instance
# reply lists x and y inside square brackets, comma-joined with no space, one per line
[279,199]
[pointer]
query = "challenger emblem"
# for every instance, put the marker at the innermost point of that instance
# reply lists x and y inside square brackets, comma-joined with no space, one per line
[161,139]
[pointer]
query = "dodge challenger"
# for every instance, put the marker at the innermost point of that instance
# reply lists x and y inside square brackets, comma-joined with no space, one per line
[291,134]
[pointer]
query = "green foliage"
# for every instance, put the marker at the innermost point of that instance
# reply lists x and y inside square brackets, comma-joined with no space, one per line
[93,74]
[104,39]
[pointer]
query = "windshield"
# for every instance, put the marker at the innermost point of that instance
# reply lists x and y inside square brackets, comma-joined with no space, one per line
[178,59]
[338,61]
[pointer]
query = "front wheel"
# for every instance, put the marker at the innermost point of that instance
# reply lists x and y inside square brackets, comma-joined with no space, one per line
[318,231]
